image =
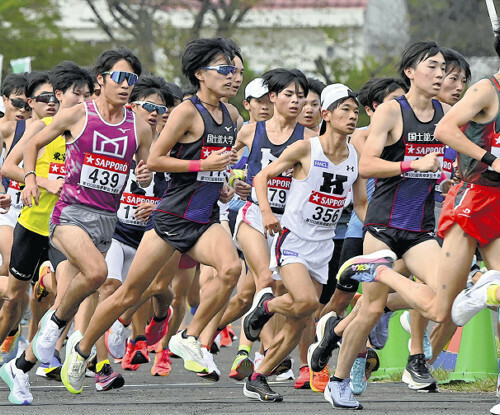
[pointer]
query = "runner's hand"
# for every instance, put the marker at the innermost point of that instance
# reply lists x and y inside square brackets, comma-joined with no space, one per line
[429,162]
[226,193]
[143,211]
[496,165]
[30,193]
[5,202]
[142,174]
[242,189]
[271,224]
[217,160]
[446,186]
[234,157]
[54,186]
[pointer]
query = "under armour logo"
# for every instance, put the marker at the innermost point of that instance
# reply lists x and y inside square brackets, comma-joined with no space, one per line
[351,168]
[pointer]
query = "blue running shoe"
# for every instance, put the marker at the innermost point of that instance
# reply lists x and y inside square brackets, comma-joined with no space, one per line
[380,333]
[339,394]
[358,379]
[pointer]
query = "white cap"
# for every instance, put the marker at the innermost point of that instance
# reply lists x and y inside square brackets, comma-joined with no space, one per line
[256,89]
[333,93]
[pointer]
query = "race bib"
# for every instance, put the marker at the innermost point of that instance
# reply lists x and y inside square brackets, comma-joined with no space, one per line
[103,173]
[277,191]
[57,171]
[323,209]
[212,176]
[14,191]
[416,151]
[128,205]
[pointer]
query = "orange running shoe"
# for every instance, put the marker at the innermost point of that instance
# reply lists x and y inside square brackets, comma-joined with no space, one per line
[319,380]
[225,338]
[39,289]
[140,354]
[162,365]
[304,379]
[127,358]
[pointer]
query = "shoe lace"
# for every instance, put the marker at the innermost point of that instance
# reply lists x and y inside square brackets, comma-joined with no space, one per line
[345,391]
[196,346]
[421,365]
[77,367]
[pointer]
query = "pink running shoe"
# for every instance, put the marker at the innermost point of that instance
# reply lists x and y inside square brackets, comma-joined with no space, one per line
[157,329]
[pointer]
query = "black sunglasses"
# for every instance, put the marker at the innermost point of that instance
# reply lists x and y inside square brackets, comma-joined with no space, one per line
[46,98]
[20,104]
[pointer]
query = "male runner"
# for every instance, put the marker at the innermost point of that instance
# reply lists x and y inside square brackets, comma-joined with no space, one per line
[403,154]
[325,168]
[102,137]
[195,146]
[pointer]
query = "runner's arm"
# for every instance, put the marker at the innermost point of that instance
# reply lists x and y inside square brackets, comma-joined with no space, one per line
[360,199]
[145,138]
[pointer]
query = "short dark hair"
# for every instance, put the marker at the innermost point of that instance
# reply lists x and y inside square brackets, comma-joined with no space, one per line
[456,61]
[35,79]
[235,49]
[364,91]
[200,52]
[277,80]
[316,86]
[14,82]
[68,74]
[109,58]
[383,87]
[416,53]
[175,89]
[151,84]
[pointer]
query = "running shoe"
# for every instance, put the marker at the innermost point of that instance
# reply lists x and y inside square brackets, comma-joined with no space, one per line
[225,338]
[258,358]
[18,383]
[8,351]
[140,354]
[126,362]
[372,362]
[472,300]
[320,379]
[213,373]
[116,339]
[417,374]
[380,333]
[242,366]
[39,289]
[363,268]
[319,353]
[75,365]
[51,370]
[405,322]
[22,346]
[304,379]
[358,377]
[44,342]
[189,349]
[107,379]
[257,317]
[286,376]
[162,365]
[285,365]
[156,330]
[260,390]
[339,394]
[495,410]
[231,332]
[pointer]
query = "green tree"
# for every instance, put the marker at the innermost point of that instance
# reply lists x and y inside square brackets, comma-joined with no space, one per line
[29,28]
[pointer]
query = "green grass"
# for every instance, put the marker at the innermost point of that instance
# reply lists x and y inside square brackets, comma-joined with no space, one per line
[483,385]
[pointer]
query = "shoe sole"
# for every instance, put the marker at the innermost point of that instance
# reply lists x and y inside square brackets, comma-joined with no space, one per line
[212,376]
[285,365]
[320,334]
[8,380]
[190,365]
[305,385]
[139,359]
[407,378]
[243,370]
[53,373]
[45,318]
[328,396]
[64,370]
[255,395]
[255,303]
[384,253]
[116,383]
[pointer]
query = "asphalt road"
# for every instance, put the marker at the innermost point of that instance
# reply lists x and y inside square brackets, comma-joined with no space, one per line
[183,392]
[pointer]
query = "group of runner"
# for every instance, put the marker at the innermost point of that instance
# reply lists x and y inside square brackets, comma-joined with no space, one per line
[126,199]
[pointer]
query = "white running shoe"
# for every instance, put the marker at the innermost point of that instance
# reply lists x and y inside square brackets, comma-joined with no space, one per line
[286,376]
[213,371]
[472,300]
[18,383]
[116,339]
[496,409]
[258,358]
[75,365]
[45,340]
[189,349]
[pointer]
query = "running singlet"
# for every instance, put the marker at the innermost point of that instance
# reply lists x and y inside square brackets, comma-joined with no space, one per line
[193,196]
[486,136]
[128,229]
[50,165]
[98,161]
[407,201]
[20,129]
[315,203]
[264,152]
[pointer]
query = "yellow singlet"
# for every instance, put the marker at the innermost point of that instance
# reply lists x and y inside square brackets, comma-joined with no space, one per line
[51,166]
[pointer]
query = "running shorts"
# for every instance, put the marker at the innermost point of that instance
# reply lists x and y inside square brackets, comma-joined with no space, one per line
[29,249]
